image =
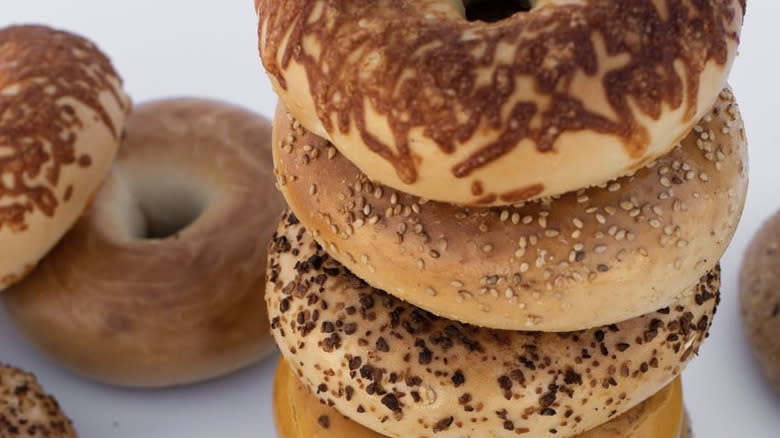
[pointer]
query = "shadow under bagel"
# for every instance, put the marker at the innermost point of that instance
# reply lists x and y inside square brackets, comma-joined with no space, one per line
[161,283]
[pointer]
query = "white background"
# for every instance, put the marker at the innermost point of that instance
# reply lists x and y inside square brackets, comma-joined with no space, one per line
[208,49]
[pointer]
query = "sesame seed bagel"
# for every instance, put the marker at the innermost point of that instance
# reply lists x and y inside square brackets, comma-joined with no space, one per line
[401,371]
[62,111]
[759,286]
[298,413]
[612,252]
[570,94]
[162,282]
[25,409]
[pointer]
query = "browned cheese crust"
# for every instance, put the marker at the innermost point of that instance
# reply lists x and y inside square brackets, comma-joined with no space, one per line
[588,258]
[404,372]
[26,411]
[298,413]
[571,94]
[62,111]
[124,301]
[759,285]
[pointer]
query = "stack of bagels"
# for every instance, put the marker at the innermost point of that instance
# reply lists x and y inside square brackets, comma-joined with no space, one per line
[505,220]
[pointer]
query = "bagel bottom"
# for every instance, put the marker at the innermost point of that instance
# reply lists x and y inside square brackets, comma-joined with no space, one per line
[300,414]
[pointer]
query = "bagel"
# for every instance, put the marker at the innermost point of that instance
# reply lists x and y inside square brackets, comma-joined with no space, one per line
[162,282]
[401,371]
[299,414]
[571,94]
[612,252]
[25,409]
[62,111]
[759,298]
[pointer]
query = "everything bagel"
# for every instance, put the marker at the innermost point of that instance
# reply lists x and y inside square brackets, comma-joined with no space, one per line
[162,282]
[570,94]
[26,411]
[611,252]
[62,112]
[298,413]
[401,371]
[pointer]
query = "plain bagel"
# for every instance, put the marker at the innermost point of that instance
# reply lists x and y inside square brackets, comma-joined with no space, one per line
[401,371]
[62,111]
[612,252]
[298,413]
[759,298]
[571,94]
[162,282]
[26,411]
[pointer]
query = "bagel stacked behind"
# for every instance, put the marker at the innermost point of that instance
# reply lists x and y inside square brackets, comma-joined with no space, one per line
[161,282]
[544,286]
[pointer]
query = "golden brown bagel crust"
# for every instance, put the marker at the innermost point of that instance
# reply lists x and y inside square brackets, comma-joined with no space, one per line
[299,414]
[759,285]
[571,94]
[113,305]
[62,110]
[612,252]
[401,371]
[25,409]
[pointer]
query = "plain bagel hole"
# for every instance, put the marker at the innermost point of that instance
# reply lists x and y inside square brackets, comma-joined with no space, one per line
[164,210]
[491,11]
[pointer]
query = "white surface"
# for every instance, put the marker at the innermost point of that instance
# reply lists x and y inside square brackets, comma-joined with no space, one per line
[208,48]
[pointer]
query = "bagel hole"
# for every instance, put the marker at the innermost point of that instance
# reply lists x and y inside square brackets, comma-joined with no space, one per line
[167,207]
[491,11]
[164,225]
